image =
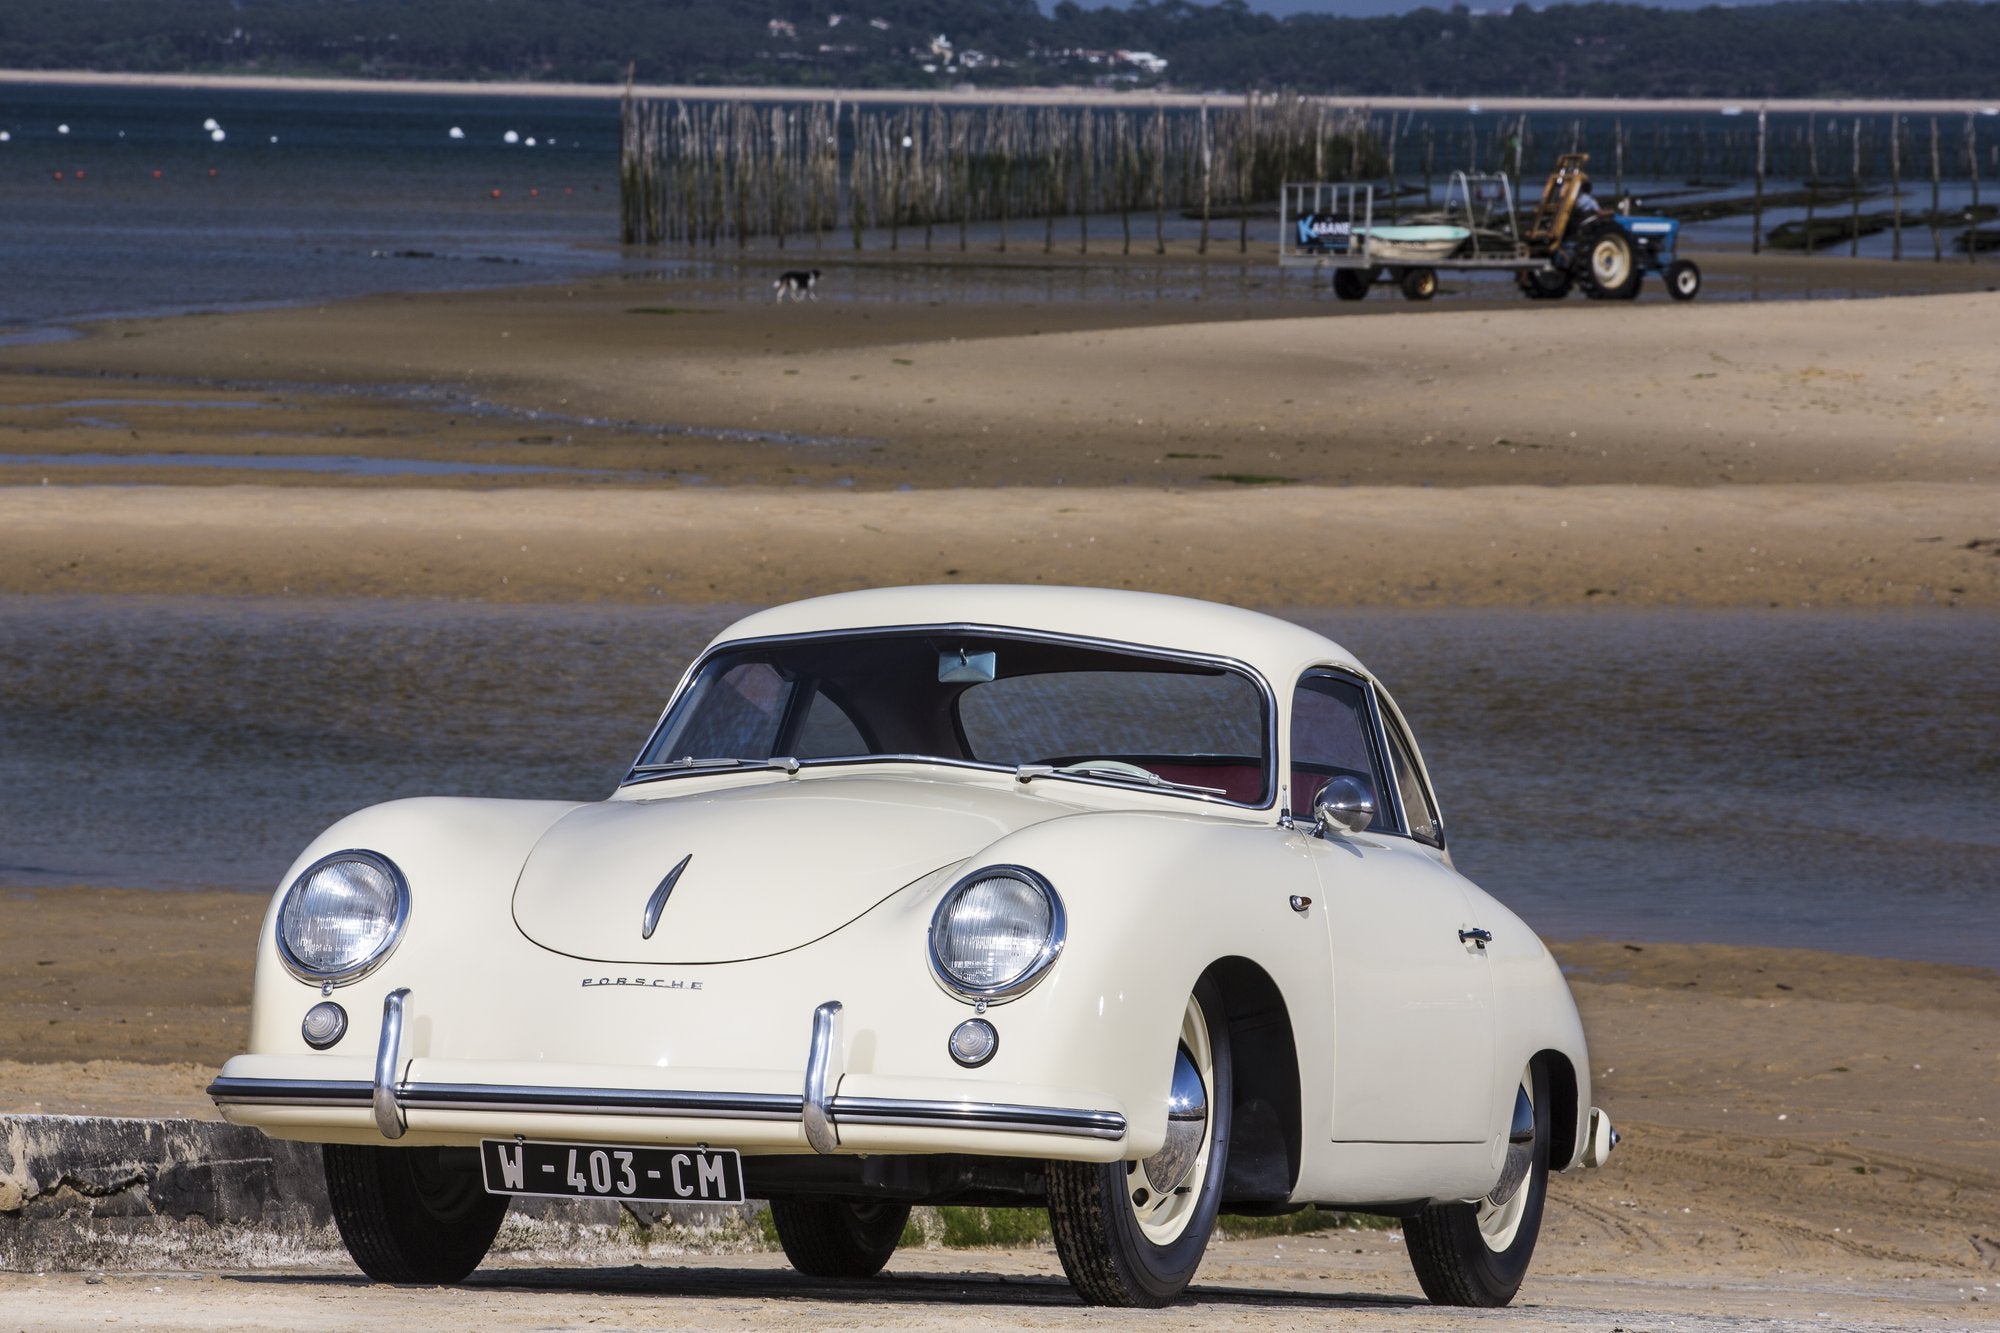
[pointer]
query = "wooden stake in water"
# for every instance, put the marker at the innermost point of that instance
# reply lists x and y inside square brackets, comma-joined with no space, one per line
[1854,189]
[1896,182]
[1812,179]
[1207,163]
[1972,161]
[1160,178]
[1757,206]
[1937,165]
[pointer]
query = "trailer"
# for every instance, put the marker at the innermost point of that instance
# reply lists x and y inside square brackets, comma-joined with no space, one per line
[1334,226]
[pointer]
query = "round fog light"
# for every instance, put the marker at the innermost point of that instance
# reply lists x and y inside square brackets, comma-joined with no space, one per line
[326,1023]
[973,1042]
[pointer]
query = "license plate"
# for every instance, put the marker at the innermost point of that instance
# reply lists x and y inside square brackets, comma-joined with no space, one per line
[601,1171]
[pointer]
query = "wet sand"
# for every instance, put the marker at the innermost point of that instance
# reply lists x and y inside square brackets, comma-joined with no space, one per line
[704,444]
[1801,1128]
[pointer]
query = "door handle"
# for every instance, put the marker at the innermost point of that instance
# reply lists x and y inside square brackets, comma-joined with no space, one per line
[1476,935]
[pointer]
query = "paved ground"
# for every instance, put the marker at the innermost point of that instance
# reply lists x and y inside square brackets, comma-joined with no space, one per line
[1335,1281]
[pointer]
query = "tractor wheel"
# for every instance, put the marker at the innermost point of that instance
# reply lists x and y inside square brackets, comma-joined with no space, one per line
[1610,264]
[1544,284]
[1420,284]
[1350,284]
[1683,280]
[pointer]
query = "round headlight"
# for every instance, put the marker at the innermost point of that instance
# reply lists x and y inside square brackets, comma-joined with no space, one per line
[996,931]
[341,917]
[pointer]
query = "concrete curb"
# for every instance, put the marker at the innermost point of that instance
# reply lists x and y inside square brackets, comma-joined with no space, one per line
[80,1192]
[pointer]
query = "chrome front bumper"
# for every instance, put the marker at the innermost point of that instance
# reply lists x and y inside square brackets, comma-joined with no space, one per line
[826,1121]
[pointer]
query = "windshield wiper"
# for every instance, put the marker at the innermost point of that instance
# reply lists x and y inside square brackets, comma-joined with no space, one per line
[691,763]
[1029,772]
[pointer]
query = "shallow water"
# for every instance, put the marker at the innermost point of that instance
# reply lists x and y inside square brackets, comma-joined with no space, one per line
[354,465]
[1809,780]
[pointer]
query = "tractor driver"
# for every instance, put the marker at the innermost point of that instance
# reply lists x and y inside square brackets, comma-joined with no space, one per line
[1586,202]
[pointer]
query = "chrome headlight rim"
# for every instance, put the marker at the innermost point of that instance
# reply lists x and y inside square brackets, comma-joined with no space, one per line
[399,918]
[1029,976]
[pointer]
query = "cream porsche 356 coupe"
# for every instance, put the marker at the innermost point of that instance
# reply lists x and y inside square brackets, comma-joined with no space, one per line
[1132,907]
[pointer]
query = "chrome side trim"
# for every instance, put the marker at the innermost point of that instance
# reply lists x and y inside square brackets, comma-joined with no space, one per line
[601,1101]
[289,1092]
[980,1115]
[658,902]
[822,1077]
[388,1055]
[995,1116]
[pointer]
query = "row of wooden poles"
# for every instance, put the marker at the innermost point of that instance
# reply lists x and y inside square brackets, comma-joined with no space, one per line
[724,172]
[716,172]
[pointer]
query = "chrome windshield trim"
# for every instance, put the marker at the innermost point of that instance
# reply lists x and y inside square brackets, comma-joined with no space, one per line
[634,773]
[891,1111]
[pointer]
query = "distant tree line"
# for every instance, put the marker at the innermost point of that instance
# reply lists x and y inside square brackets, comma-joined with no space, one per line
[1825,48]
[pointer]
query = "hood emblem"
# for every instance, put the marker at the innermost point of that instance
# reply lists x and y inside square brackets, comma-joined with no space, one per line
[658,902]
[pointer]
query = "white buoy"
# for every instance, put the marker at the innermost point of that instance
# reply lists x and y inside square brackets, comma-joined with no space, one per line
[62,129]
[217,135]
[274,138]
[510,137]
[210,124]
[457,133]
[531,141]
[6,136]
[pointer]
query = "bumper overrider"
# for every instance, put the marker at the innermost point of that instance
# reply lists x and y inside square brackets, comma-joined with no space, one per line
[391,1105]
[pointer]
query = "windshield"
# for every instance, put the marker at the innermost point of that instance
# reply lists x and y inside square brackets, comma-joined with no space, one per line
[1011,701]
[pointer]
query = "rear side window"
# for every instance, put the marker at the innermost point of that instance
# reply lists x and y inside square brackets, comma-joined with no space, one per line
[1418,808]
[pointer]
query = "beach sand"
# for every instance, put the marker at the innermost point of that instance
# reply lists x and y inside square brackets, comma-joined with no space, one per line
[716,447]
[1827,1117]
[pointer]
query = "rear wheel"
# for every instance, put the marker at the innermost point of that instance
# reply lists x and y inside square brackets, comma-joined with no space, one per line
[1133,1233]
[1683,280]
[838,1237]
[1610,263]
[1420,284]
[412,1215]
[1476,1252]
[1350,284]
[1544,284]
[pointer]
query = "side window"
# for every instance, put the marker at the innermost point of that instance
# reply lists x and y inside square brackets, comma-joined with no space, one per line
[1330,739]
[1417,805]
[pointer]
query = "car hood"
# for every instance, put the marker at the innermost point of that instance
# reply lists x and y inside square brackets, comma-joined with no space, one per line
[770,866]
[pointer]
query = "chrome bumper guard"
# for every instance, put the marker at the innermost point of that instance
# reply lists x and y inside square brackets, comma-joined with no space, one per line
[817,1108]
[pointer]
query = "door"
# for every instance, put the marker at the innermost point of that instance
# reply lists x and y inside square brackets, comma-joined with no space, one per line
[1413,1001]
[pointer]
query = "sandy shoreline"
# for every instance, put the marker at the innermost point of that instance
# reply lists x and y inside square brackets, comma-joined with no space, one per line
[1822,1116]
[696,445]
[974,97]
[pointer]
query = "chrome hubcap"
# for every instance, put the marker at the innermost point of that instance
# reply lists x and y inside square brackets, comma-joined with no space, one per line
[1500,1212]
[1163,1190]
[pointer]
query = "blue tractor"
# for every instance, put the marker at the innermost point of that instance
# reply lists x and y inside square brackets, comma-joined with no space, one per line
[1605,254]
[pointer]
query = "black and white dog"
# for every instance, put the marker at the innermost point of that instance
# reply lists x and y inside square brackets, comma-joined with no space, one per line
[798,284]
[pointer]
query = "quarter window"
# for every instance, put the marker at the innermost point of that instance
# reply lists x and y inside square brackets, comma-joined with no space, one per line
[1417,807]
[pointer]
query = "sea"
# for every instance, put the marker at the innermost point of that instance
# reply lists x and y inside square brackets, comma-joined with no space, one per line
[1798,779]
[122,200]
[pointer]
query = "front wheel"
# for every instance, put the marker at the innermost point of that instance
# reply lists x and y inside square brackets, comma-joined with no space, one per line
[412,1215]
[1420,284]
[1476,1252]
[1133,1233]
[1683,280]
[836,1237]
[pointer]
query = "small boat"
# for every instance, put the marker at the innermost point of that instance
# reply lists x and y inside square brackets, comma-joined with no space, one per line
[1412,244]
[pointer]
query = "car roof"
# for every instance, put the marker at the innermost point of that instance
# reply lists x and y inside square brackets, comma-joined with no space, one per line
[1276,648]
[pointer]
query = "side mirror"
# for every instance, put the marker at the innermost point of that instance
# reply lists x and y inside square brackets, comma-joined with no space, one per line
[1345,805]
